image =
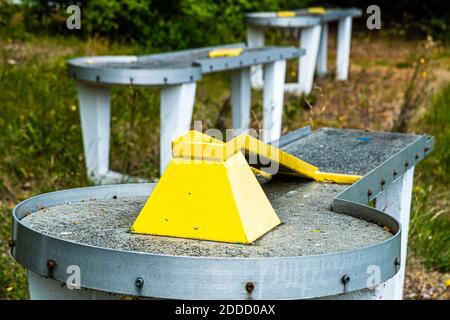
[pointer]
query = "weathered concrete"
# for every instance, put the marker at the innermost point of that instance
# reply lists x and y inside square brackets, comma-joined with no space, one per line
[309,227]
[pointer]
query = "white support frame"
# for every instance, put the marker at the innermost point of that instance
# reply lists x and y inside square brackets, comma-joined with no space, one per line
[95,114]
[177,106]
[240,100]
[273,98]
[310,40]
[395,200]
[322,62]
[255,38]
[315,40]
[177,103]
[344,37]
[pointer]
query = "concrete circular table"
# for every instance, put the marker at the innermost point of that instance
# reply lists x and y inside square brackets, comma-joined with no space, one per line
[313,37]
[331,244]
[310,255]
[176,73]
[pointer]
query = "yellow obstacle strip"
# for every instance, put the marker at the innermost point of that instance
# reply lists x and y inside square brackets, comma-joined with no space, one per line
[317,10]
[232,52]
[209,190]
[286,13]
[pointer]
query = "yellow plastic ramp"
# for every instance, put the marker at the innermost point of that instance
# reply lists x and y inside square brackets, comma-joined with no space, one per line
[196,145]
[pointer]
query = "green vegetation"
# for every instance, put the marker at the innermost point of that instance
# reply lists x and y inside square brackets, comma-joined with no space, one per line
[430,227]
[161,25]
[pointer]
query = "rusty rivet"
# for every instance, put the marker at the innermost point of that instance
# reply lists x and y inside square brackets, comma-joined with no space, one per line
[417,156]
[395,172]
[139,282]
[369,192]
[51,264]
[397,261]
[382,182]
[345,279]
[11,243]
[249,287]
[426,149]
[406,163]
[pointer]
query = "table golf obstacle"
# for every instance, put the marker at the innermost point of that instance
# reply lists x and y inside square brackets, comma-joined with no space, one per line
[313,26]
[330,243]
[186,201]
[176,73]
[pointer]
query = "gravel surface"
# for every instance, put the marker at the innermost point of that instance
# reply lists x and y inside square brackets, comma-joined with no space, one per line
[348,151]
[308,226]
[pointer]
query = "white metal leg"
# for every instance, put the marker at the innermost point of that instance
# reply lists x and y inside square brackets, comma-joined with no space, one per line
[309,40]
[177,105]
[41,288]
[344,37]
[323,51]
[396,201]
[94,104]
[255,38]
[240,100]
[273,96]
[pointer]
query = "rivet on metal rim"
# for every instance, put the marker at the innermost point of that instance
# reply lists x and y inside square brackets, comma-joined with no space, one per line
[249,287]
[345,279]
[11,243]
[369,192]
[139,282]
[395,173]
[397,261]
[51,264]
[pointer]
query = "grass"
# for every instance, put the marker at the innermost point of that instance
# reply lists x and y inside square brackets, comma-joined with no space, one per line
[40,133]
[430,218]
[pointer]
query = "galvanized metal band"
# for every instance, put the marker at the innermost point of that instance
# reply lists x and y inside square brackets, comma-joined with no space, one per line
[302,19]
[177,69]
[292,136]
[372,184]
[82,69]
[261,55]
[181,277]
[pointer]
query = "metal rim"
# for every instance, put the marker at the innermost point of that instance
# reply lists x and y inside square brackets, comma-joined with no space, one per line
[84,69]
[95,69]
[181,277]
[270,19]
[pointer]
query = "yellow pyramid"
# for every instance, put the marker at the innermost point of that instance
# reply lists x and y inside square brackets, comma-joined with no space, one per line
[209,200]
